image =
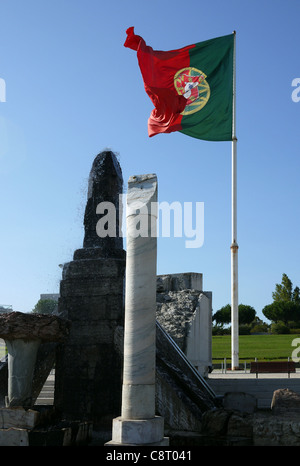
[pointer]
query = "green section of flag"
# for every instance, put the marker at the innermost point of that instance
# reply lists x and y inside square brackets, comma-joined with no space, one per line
[213,122]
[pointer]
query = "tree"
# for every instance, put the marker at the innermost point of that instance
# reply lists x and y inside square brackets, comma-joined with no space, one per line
[45,306]
[280,328]
[286,303]
[282,311]
[246,314]
[223,315]
[259,326]
[296,295]
[284,291]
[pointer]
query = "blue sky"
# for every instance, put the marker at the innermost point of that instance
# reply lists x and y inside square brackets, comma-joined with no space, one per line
[73,89]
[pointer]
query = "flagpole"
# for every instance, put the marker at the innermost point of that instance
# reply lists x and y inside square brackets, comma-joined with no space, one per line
[234,245]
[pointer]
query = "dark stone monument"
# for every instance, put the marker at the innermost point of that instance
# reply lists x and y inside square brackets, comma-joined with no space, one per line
[88,369]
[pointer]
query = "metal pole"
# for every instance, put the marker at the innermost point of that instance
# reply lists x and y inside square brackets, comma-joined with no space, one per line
[234,245]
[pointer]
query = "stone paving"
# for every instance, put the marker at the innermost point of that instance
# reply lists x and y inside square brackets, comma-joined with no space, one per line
[262,387]
[241,374]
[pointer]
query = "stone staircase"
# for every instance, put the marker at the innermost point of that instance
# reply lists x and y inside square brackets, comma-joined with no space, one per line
[46,396]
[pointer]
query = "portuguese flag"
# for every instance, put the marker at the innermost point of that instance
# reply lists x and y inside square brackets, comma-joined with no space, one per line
[191,88]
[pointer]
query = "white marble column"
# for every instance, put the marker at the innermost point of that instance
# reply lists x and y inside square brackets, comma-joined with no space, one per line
[138,424]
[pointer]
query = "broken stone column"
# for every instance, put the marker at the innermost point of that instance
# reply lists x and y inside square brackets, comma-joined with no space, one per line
[185,312]
[23,333]
[88,371]
[138,424]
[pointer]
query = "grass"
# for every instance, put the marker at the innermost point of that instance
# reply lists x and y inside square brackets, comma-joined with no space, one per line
[262,347]
[2,348]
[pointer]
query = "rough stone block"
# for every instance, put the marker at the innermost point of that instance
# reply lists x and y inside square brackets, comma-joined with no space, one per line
[84,332]
[40,327]
[14,438]
[285,401]
[215,422]
[89,287]
[84,433]
[239,426]
[276,431]
[18,417]
[93,308]
[56,437]
[180,281]
[91,268]
[240,401]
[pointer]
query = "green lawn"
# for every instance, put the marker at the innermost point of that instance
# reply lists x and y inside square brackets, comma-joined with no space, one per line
[262,347]
[2,348]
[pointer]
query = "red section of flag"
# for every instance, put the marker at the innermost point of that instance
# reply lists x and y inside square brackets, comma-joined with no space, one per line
[158,69]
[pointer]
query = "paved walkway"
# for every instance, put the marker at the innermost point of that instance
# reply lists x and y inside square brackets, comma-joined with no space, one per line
[262,387]
[229,374]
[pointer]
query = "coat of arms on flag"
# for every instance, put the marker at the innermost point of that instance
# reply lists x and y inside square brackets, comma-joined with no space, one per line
[190,82]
